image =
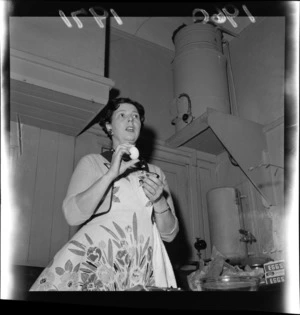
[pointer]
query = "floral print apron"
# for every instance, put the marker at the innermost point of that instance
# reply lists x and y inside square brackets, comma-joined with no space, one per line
[112,252]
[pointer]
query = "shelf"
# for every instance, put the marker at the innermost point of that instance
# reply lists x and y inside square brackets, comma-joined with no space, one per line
[198,135]
[53,96]
[244,140]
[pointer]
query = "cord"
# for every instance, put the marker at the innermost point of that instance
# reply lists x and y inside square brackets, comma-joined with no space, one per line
[142,25]
[99,214]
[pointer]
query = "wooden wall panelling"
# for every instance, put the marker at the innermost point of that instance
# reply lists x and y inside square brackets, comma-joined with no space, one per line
[206,179]
[64,169]
[23,188]
[41,224]
[201,168]
[175,165]
[194,217]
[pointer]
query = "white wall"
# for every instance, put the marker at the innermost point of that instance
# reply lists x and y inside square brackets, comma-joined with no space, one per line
[143,72]
[50,38]
[258,61]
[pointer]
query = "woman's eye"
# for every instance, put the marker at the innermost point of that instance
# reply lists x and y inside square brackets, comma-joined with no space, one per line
[136,116]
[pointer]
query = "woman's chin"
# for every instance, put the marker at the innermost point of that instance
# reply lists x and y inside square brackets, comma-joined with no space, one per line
[130,140]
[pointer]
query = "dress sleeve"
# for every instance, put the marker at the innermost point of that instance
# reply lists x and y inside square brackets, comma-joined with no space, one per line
[167,237]
[83,177]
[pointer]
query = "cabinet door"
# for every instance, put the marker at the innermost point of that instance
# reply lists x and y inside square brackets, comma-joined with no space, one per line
[180,249]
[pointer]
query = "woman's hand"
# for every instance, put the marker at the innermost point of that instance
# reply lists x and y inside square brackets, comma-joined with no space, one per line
[153,187]
[119,166]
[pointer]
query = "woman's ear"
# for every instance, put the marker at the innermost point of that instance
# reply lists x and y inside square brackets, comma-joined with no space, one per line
[108,128]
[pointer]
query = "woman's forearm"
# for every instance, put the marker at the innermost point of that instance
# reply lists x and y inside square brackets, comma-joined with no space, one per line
[164,218]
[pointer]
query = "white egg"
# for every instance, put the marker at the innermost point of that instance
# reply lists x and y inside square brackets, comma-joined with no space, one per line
[134,153]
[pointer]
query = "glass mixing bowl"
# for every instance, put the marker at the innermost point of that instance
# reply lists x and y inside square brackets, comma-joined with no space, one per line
[229,283]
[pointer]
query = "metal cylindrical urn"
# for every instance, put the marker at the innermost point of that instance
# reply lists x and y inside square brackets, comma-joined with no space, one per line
[199,70]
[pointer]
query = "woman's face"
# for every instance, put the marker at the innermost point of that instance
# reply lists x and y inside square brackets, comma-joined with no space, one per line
[125,125]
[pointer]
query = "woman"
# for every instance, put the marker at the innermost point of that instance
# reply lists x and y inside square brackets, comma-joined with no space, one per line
[127,210]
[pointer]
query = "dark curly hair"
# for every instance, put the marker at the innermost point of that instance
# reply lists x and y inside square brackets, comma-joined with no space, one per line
[106,113]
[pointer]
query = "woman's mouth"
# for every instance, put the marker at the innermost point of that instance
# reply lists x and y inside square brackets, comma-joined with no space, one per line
[130,129]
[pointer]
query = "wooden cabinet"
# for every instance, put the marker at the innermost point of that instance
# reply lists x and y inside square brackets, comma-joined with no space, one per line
[178,180]
[190,175]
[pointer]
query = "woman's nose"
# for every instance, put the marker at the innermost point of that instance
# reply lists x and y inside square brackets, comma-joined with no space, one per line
[130,118]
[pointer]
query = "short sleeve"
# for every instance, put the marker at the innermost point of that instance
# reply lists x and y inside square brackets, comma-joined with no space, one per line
[84,175]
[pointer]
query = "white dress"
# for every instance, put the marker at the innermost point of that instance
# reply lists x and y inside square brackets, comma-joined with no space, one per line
[117,250]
